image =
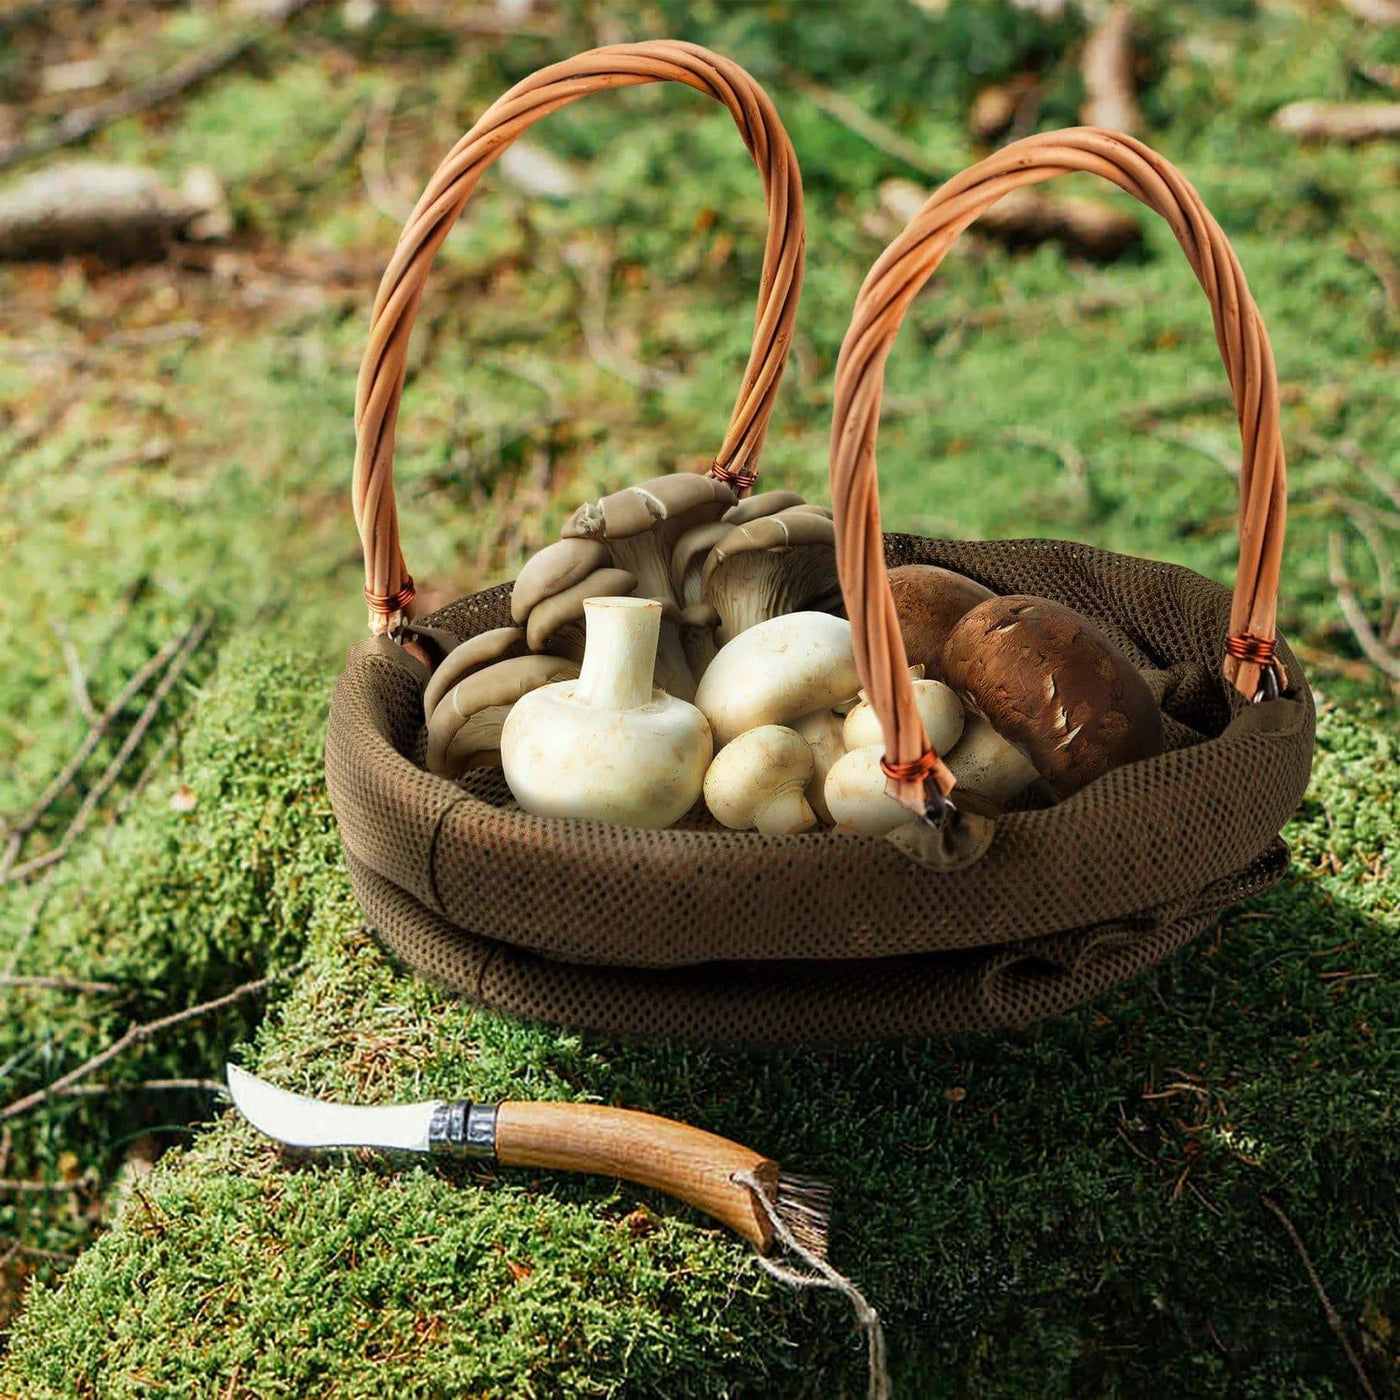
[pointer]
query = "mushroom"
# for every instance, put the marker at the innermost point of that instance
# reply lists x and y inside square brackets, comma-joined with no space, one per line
[778,672]
[609,745]
[1051,683]
[698,619]
[776,564]
[638,527]
[553,569]
[465,728]
[929,602]
[758,781]
[983,762]
[477,652]
[938,706]
[856,796]
[822,730]
[556,623]
[765,503]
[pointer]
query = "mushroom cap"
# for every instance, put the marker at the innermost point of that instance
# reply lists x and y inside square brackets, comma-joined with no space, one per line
[638,508]
[938,706]
[485,649]
[856,796]
[759,766]
[1051,682]
[689,555]
[930,601]
[477,744]
[501,684]
[566,606]
[776,564]
[765,503]
[777,671]
[553,569]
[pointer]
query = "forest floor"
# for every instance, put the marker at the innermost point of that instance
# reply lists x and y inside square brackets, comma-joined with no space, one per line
[1187,1188]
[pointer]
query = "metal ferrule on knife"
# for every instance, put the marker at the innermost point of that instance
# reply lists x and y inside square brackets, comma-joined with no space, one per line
[463,1129]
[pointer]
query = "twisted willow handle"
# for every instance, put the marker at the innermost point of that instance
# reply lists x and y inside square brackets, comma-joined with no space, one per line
[388,585]
[912,767]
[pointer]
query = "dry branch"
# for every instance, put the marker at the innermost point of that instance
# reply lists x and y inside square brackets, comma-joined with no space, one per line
[1107,67]
[179,660]
[26,823]
[1334,1321]
[56,984]
[135,1034]
[78,125]
[1371,645]
[1339,121]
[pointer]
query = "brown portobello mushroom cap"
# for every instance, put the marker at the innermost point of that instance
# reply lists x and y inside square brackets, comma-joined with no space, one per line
[930,602]
[1050,682]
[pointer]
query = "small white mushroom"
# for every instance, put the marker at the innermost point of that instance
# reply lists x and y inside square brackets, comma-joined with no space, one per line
[758,781]
[856,796]
[938,706]
[779,671]
[609,746]
[822,730]
[983,762]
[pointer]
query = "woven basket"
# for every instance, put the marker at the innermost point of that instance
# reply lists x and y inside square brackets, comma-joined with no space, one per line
[947,924]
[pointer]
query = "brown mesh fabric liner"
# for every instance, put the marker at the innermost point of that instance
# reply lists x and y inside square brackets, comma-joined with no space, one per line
[814,933]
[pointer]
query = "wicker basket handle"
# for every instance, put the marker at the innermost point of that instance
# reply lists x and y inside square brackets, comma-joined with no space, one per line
[916,775]
[388,586]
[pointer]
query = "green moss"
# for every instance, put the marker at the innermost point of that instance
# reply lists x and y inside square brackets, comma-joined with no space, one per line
[1072,1210]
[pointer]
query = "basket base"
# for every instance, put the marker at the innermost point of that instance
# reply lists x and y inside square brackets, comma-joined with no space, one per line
[789,1003]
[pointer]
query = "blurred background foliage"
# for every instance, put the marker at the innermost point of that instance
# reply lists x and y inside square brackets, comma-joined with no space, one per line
[1079,1208]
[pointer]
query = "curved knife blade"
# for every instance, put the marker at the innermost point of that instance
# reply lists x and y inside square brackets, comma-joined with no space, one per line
[299,1121]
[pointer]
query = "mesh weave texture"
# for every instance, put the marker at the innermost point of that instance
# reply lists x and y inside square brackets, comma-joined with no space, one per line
[706,933]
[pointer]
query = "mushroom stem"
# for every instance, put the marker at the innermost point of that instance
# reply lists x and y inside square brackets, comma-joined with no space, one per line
[619,653]
[673,673]
[788,811]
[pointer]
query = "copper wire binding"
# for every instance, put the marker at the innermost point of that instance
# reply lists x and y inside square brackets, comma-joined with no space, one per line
[939,809]
[1249,646]
[741,479]
[387,604]
[915,770]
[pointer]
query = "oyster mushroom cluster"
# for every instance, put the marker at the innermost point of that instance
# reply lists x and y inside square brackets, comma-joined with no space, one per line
[676,642]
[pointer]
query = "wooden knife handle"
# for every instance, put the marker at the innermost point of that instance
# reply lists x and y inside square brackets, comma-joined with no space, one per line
[692,1165]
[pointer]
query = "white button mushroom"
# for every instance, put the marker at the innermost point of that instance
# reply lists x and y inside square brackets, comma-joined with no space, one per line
[608,745]
[938,706]
[758,781]
[982,761]
[856,796]
[777,672]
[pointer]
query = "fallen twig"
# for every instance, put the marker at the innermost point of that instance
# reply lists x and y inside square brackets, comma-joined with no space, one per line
[77,679]
[56,984]
[43,1188]
[84,122]
[1334,1320]
[26,823]
[1107,68]
[1075,463]
[870,129]
[135,1034]
[85,1091]
[1338,121]
[1371,645]
[178,661]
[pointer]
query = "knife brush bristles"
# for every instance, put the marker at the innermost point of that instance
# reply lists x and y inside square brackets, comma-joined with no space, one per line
[804,1206]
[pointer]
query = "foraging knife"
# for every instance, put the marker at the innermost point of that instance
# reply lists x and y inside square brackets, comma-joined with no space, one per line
[688,1163]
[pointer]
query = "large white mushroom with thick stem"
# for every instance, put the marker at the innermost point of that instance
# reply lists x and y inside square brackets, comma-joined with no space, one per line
[609,745]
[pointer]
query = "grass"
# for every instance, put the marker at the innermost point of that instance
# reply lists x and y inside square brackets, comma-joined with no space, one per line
[1076,1209]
